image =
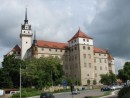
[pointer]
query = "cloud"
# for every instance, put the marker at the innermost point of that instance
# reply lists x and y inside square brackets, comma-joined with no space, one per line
[111,27]
[107,21]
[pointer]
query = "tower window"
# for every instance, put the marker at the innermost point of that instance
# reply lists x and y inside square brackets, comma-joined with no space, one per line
[88,48]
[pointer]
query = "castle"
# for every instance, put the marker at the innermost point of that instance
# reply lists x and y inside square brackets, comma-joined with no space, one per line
[81,59]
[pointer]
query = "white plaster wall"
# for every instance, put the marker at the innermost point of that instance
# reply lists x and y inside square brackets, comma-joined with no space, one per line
[81,41]
[26,44]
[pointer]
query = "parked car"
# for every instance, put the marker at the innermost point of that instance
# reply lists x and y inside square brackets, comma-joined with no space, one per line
[14,92]
[115,87]
[75,91]
[106,88]
[83,87]
[2,92]
[47,95]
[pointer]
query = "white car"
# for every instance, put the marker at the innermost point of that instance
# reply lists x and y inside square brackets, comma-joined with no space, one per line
[14,92]
[115,87]
[75,91]
[2,92]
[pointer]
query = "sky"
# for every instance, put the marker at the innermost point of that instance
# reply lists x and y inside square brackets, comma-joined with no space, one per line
[107,21]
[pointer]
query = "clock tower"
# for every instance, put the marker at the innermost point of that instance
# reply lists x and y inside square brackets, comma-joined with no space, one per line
[26,37]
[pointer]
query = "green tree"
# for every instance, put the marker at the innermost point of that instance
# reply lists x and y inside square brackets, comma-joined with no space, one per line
[94,82]
[108,79]
[11,68]
[40,72]
[88,82]
[124,74]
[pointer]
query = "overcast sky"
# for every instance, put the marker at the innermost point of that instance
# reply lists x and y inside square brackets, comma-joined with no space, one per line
[107,21]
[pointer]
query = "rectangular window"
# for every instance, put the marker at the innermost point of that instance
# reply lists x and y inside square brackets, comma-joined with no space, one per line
[49,49]
[83,39]
[105,60]
[106,68]
[94,60]
[75,56]
[100,67]
[56,50]
[42,49]
[95,68]
[75,48]
[88,48]
[85,65]
[95,75]
[84,47]
[89,65]
[100,60]
[60,50]
[89,56]
[84,55]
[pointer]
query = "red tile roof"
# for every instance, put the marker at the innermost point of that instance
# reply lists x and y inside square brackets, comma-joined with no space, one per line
[110,57]
[16,48]
[80,34]
[49,44]
[99,50]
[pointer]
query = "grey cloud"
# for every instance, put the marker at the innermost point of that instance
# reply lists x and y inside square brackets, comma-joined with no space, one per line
[111,28]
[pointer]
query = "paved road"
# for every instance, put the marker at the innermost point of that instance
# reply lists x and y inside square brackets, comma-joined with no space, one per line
[81,95]
[113,95]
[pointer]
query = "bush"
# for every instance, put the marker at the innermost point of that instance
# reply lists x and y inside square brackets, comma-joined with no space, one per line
[124,92]
[28,92]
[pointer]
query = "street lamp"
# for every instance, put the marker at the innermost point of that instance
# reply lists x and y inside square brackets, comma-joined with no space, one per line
[52,81]
[20,80]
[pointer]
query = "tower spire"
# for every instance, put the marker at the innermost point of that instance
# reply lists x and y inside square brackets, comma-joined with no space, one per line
[26,19]
[34,40]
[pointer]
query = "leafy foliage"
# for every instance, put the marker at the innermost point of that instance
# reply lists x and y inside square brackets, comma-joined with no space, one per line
[108,79]
[124,92]
[94,82]
[88,82]
[9,74]
[124,74]
[35,72]
[40,72]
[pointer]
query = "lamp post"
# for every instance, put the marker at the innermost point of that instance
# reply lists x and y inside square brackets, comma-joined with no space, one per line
[52,81]
[20,80]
